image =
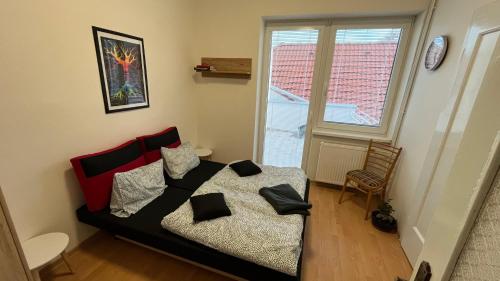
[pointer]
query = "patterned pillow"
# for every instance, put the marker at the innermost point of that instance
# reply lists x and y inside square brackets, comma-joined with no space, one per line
[178,161]
[135,189]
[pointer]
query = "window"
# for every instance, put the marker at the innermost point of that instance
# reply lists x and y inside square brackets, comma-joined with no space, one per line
[360,76]
[363,60]
[331,77]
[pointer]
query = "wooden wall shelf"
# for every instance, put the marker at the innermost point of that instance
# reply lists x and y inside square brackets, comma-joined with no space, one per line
[228,67]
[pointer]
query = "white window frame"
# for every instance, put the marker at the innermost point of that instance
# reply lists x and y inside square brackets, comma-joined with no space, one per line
[324,56]
[322,127]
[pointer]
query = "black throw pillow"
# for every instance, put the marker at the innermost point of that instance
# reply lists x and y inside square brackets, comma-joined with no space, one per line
[245,168]
[209,206]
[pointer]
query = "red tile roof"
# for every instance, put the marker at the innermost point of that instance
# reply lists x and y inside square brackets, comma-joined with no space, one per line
[360,73]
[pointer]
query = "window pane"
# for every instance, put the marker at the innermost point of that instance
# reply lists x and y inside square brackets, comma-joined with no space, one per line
[292,63]
[362,65]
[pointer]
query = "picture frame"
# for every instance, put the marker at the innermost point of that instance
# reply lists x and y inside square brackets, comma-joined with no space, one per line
[122,70]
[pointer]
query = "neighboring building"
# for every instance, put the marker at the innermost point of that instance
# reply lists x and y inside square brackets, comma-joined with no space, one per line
[351,82]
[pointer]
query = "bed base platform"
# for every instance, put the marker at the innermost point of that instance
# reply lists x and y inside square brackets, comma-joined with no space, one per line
[144,229]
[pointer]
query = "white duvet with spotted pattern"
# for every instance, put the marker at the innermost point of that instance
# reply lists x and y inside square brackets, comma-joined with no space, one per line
[254,232]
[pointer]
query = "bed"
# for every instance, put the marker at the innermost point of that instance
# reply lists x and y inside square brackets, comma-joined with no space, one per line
[144,228]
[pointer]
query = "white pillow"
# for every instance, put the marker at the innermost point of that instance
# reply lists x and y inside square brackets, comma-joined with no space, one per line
[136,188]
[180,160]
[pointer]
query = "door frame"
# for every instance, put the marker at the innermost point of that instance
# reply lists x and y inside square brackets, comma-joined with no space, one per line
[262,96]
[10,249]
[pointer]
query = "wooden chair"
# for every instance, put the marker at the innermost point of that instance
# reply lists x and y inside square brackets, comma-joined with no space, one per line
[377,169]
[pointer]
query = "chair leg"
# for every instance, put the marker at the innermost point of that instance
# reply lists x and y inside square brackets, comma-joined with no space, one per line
[368,202]
[343,190]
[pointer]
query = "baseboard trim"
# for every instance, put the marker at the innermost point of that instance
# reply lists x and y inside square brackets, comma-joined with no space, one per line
[333,186]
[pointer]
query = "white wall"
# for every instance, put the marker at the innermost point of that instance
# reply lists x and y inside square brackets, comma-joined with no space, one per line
[52,107]
[233,28]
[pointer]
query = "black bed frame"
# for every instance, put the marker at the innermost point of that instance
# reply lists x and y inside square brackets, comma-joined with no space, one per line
[144,229]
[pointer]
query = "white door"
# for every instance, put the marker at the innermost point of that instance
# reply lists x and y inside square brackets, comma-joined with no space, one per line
[464,142]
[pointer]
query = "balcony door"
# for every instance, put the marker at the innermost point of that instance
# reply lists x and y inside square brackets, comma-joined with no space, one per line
[291,55]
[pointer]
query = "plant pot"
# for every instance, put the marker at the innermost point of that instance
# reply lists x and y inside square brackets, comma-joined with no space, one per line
[384,225]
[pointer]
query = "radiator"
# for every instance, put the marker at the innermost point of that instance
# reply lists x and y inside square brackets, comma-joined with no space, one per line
[335,160]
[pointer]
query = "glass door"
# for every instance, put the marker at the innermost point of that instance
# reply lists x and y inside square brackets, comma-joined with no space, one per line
[292,59]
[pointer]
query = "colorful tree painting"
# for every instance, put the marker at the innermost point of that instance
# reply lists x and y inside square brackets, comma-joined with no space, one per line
[123,71]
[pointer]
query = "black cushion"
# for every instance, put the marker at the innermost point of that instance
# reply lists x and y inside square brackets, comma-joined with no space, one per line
[209,206]
[166,138]
[245,168]
[110,159]
[196,177]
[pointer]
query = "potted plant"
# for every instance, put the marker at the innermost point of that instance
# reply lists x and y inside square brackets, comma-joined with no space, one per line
[382,218]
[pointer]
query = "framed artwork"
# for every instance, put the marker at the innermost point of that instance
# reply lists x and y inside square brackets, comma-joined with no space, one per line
[122,68]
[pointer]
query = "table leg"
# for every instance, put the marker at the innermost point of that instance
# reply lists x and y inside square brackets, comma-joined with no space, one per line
[65,259]
[36,275]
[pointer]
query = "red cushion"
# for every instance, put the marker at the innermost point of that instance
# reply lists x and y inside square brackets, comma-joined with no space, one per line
[151,144]
[95,171]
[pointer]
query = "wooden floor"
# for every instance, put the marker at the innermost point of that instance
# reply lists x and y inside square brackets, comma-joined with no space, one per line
[339,245]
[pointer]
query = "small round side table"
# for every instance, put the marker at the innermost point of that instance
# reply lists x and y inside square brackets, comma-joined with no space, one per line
[204,153]
[42,249]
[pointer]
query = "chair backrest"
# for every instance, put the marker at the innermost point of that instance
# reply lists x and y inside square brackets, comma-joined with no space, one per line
[381,158]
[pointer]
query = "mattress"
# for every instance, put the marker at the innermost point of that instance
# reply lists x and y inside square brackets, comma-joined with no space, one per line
[254,231]
[144,227]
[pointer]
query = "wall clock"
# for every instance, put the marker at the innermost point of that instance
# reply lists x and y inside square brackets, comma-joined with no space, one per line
[436,52]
